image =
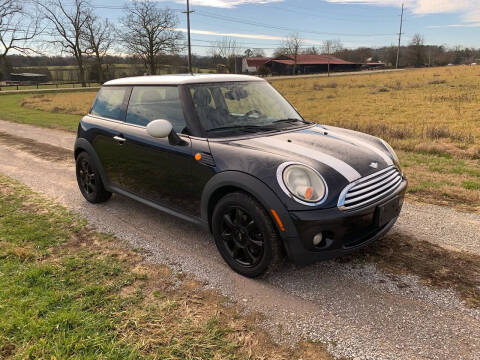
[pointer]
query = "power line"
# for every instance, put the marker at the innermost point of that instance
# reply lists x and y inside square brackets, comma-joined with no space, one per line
[277,27]
[312,13]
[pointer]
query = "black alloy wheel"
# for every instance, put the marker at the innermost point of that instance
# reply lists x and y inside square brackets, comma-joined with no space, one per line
[89,180]
[245,235]
[241,236]
[86,177]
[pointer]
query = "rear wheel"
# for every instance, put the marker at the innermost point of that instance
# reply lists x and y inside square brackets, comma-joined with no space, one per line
[245,235]
[89,180]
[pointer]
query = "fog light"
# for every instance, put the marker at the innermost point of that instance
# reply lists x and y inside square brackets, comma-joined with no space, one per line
[317,239]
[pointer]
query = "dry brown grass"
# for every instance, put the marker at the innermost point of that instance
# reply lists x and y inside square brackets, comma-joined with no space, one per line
[407,108]
[78,103]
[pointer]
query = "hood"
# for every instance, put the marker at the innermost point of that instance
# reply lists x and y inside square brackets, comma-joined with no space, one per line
[351,154]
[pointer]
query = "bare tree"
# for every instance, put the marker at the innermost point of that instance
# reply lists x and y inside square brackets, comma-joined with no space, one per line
[258,52]
[330,47]
[291,46]
[313,50]
[99,38]
[255,52]
[148,31]
[228,50]
[70,27]
[416,51]
[17,28]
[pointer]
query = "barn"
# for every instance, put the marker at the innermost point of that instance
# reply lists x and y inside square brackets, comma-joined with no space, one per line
[253,64]
[29,78]
[310,64]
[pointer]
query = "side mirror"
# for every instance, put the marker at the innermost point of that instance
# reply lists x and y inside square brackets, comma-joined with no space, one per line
[159,128]
[162,129]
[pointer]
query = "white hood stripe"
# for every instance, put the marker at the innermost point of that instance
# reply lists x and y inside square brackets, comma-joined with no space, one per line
[338,165]
[358,142]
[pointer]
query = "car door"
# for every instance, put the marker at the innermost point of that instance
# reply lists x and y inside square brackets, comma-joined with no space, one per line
[101,126]
[153,168]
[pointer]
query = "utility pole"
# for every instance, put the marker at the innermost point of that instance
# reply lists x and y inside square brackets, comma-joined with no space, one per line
[328,55]
[188,12]
[400,38]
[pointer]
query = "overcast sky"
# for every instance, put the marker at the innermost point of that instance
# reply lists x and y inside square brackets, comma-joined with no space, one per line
[263,23]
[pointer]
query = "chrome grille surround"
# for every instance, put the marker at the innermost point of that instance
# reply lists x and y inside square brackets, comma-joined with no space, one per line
[370,188]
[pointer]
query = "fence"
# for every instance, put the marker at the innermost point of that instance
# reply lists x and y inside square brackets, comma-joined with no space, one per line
[50,85]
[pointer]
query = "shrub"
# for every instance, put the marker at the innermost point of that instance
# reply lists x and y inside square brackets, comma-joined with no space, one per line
[264,71]
[437,82]
[330,85]
[437,132]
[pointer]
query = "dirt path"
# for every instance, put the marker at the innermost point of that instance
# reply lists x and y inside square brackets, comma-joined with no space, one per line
[359,311]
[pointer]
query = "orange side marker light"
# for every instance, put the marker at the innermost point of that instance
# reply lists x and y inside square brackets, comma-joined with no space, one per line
[278,220]
[198,156]
[308,193]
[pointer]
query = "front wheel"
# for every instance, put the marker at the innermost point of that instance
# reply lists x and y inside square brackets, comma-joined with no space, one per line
[245,235]
[89,180]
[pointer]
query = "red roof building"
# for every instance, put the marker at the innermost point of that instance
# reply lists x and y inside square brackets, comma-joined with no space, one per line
[309,64]
[306,64]
[252,64]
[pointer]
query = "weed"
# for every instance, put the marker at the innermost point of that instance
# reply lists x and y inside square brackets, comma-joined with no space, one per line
[437,82]
[471,185]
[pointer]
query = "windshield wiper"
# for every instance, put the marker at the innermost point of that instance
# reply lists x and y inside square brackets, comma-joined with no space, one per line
[291,120]
[245,128]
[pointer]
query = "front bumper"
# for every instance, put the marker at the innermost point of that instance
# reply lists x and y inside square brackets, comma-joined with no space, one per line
[344,231]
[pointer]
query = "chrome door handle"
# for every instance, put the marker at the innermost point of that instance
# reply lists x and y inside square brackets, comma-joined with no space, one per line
[119,139]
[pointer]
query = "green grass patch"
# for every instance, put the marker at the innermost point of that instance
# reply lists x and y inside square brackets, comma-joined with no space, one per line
[442,180]
[61,304]
[69,292]
[471,185]
[12,110]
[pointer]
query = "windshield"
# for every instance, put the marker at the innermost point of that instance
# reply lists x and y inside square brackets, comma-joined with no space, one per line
[242,107]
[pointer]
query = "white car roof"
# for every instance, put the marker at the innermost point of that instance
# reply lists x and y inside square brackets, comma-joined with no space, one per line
[181,79]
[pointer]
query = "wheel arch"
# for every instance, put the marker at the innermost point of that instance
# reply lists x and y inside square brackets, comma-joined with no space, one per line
[232,181]
[82,145]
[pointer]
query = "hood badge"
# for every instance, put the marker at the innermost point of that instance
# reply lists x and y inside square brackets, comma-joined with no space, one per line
[374,165]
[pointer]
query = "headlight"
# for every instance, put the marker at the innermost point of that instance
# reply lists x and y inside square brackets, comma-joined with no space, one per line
[302,183]
[392,152]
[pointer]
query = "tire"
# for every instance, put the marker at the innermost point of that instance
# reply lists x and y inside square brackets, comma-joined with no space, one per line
[245,235]
[89,180]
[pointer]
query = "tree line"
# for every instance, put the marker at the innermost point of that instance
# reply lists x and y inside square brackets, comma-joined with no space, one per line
[146,34]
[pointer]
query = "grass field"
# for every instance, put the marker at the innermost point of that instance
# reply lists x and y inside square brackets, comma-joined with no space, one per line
[430,116]
[431,110]
[69,292]
[11,109]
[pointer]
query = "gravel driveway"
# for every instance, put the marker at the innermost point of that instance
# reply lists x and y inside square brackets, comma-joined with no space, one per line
[355,309]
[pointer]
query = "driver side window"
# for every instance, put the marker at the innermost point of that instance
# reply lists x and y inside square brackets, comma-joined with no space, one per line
[148,103]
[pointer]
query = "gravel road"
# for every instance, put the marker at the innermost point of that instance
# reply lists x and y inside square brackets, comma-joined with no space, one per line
[358,311]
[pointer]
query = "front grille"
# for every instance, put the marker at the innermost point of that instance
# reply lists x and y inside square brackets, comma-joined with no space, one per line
[369,189]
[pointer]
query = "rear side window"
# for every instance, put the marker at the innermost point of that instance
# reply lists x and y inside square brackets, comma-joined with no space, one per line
[148,103]
[109,102]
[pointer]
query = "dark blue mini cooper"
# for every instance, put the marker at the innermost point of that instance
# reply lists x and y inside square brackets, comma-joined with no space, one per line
[228,152]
